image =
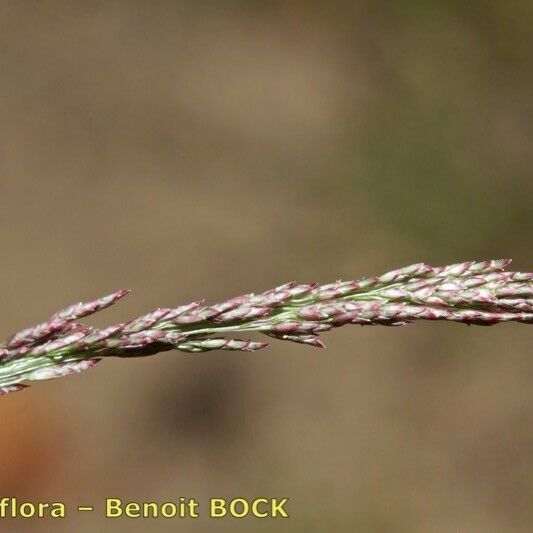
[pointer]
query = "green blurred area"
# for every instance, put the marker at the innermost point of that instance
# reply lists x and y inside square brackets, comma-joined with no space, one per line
[206,149]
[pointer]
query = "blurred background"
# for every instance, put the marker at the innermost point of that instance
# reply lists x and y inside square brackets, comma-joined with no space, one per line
[192,149]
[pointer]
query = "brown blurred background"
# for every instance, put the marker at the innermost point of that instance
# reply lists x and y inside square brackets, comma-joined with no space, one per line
[194,149]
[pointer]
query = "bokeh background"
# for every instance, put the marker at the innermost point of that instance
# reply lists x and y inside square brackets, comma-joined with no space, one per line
[194,149]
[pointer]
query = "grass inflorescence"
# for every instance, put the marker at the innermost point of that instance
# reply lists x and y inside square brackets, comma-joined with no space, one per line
[480,293]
